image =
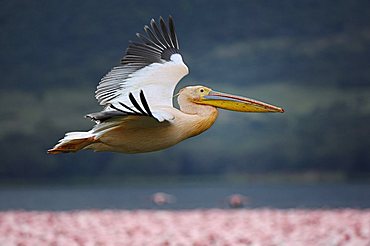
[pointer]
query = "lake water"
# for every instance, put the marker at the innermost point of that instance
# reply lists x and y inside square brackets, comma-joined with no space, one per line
[188,196]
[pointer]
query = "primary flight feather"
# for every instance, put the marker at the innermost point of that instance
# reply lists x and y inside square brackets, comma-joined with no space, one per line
[138,114]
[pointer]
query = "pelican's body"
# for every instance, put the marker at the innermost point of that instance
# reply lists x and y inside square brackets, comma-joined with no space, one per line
[138,134]
[138,115]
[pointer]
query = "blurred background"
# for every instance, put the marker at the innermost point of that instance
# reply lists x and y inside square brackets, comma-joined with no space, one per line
[310,57]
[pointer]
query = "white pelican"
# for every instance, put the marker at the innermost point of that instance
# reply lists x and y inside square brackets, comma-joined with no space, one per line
[138,113]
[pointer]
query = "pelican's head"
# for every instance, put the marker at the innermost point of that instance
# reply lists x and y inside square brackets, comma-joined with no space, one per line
[206,96]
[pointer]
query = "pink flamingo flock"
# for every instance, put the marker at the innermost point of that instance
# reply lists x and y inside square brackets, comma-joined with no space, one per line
[186,227]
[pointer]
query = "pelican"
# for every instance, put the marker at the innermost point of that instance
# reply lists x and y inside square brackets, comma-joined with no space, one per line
[138,114]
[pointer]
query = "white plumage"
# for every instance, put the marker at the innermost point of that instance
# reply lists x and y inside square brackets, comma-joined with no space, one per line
[158,81]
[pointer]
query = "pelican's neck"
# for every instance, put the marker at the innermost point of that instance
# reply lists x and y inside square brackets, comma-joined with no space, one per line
[189,107]
[202,117]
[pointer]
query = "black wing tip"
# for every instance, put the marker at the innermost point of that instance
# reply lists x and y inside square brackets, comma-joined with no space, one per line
[159,40]
[145,103]
[153,23]
[170,20]
[163,22]
[145,112]
[162,19]
[136,104]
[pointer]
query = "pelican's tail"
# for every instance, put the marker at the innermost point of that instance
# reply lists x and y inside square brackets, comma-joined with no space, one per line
[73,142]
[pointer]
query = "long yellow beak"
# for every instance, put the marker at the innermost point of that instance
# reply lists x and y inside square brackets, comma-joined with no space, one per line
[237,103]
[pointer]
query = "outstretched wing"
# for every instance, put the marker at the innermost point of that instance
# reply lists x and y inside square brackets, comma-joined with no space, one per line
[152,65]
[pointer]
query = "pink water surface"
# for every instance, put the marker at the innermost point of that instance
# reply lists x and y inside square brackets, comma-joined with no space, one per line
[191,227]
